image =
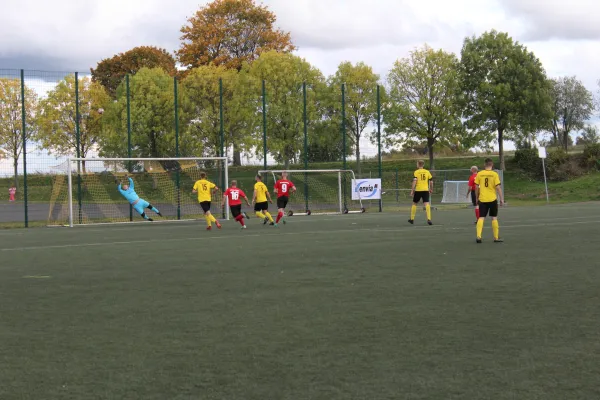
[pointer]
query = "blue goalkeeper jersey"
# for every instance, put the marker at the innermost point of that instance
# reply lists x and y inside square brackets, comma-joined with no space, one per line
[129,194]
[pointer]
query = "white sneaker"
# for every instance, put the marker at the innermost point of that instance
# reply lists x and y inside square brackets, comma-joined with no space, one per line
[244,227]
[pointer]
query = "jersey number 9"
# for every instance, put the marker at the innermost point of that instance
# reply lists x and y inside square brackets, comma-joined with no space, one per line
[284,187]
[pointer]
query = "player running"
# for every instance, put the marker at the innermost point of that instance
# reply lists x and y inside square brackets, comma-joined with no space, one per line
[138,204]
[283,188]
[473,191]
[259,199]
[488,191]
[235,196]
[205,189]
[422,187]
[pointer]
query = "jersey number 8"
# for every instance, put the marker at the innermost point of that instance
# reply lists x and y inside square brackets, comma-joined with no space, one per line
[486,184]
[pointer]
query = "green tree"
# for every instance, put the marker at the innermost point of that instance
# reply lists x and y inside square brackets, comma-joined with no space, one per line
[110,72]
[200,105]
[589,135]
[360,98]
[11,126]
[284,74]
[505,87]
[57,120]
[152,117]
[572,106]
[424,100]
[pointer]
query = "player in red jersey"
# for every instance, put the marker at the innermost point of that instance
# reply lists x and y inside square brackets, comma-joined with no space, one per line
[235,196]
[472,190]
[283,188]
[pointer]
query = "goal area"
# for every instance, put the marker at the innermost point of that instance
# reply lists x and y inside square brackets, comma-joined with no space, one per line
[325,191]
[85,190]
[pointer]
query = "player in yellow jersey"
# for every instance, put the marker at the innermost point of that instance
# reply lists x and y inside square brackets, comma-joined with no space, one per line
[488,192]
[260,197]
[422,187]
[205,189]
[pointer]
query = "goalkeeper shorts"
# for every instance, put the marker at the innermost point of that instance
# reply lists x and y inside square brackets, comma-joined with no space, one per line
[140,205]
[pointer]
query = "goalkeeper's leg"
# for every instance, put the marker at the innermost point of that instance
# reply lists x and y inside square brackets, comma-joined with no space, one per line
[151,207]
[139,207]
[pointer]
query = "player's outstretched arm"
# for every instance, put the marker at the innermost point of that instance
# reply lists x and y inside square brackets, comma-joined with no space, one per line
[412,189]
[500,196]
[269,197]
[247,202]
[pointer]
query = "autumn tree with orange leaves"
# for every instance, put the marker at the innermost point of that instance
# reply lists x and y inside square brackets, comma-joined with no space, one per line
[229,33]
[111,71]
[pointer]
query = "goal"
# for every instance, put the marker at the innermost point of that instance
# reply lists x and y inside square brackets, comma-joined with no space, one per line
[325,191]
[456,192]
[84,189]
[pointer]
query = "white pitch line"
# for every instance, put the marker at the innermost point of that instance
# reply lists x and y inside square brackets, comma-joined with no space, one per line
[321,232]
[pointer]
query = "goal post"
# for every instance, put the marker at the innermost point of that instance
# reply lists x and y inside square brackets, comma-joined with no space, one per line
[321,191]
[85,190]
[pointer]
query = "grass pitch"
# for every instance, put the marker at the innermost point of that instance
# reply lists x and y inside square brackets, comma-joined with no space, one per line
[341,307]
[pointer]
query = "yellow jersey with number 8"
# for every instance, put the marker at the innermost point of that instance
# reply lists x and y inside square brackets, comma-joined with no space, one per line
[422,176]
[487,181]
[204,189]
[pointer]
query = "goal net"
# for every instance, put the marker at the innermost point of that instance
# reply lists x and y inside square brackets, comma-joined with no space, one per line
[319,191]
[456,192]
[85,190]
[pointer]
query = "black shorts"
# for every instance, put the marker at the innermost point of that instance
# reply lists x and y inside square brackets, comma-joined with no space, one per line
[491,207]
[421,195]
[282,201]
[205,206]
[473,198]
[262,206]
[236,210]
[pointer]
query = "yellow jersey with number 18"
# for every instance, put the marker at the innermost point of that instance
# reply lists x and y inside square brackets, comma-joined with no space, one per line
[261,192]
[204,189]
[422,176]
[487,180]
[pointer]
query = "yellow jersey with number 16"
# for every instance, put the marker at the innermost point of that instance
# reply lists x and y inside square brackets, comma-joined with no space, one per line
[487,181]
[204,189]
[422,176]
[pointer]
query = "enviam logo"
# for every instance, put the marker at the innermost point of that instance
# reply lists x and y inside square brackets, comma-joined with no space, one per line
[365,189]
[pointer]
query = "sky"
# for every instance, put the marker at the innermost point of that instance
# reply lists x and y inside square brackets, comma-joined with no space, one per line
[69,35]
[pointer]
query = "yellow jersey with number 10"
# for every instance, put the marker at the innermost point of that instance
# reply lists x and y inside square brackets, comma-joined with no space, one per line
[422,176]
[261,192]
[487,180]
[204,189]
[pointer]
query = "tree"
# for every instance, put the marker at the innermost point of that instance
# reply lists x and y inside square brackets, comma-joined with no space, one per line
[11,123]
[284,75]
[200,106]
[589,136]
[57,117]
[229,33]
[572,106]
[152,117]
[360,99]
[424,100]
[110,72]
[505,86]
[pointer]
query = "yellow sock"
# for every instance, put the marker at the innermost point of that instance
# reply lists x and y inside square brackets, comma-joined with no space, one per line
[479,227]
[496,229]
[208,220]
[269,216]
[260,215]
[428,210]
[212,219]
[413,212]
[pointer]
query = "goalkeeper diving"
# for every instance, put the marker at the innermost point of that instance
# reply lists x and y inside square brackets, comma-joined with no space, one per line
[138,204]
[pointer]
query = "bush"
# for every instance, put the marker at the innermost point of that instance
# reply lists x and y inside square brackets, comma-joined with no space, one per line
[561,167]
[528,161]
[591,156]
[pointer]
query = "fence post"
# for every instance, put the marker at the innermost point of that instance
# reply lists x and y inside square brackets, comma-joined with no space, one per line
[24,134]
[128,135]
[344,138]
[78,145]
[264,116]
[304,117]
[397,188]
[222,134]
[177,178]
[379,144]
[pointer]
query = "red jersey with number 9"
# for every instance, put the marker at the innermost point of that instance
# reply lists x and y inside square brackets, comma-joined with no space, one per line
[235,196]
[283,187]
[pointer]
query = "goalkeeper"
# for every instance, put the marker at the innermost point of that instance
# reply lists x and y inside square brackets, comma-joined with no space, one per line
[127,191]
